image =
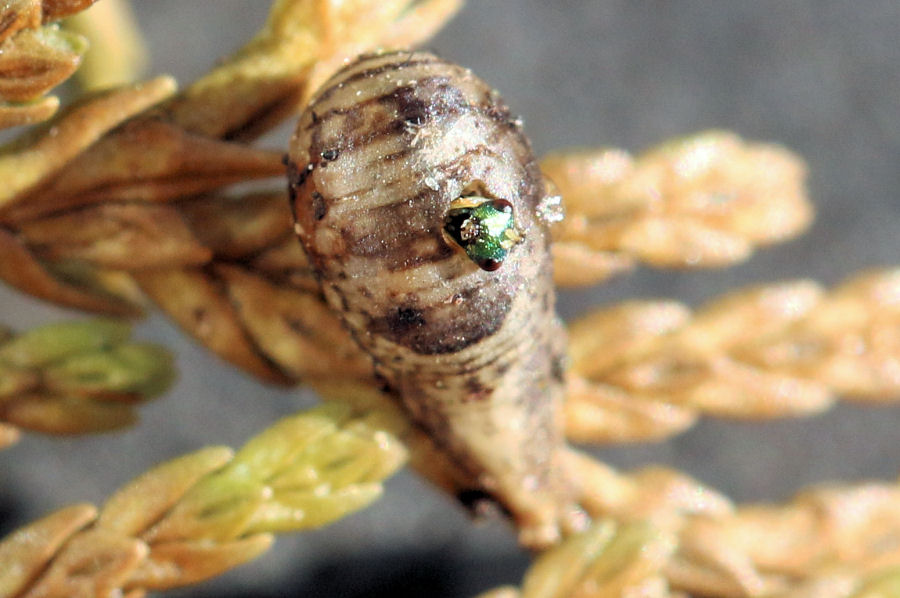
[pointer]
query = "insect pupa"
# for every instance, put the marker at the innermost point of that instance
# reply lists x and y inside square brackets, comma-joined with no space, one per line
[416,197]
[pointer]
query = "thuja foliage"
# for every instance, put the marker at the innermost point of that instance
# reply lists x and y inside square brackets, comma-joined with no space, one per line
[122,200]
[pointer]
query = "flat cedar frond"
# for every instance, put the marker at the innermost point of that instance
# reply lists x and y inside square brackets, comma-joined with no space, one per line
[119,200]
[612,559]
[606,561]
[703,201]
[196,516]
[645,370]
[76,378]
[838,539]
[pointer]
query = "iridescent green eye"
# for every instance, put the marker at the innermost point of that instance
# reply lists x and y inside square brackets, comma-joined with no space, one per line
[484,228]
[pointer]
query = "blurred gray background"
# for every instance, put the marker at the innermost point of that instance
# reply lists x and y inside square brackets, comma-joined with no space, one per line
[822,77]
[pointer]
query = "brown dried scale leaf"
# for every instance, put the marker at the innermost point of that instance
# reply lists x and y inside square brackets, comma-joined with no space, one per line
[669,241]
[36,60]
[148,160]
[667,500]
[703,201]
[263,78]
[766,310]
[23,270]
[93,563]
[127,236]
[25,552]
[16,15]
[173,564]
[287,263]
[854,524]
[294,328]
[103,282]
[722,387]
[29,113]
[830,585]
[202,308]
[828,541]
[66,415]
[236,227]
[605,414]
[273,325]
[586,179]
[32,159]
[57,9]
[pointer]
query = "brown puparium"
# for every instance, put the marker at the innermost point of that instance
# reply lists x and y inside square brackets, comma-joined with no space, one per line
[474,357]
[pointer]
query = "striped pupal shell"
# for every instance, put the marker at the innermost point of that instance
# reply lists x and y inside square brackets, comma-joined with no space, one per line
[471,347]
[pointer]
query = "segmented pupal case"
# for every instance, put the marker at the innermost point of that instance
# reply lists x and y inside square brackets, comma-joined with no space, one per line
[416,197]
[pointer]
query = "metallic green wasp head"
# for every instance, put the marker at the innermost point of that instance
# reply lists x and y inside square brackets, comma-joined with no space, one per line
[484,228]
